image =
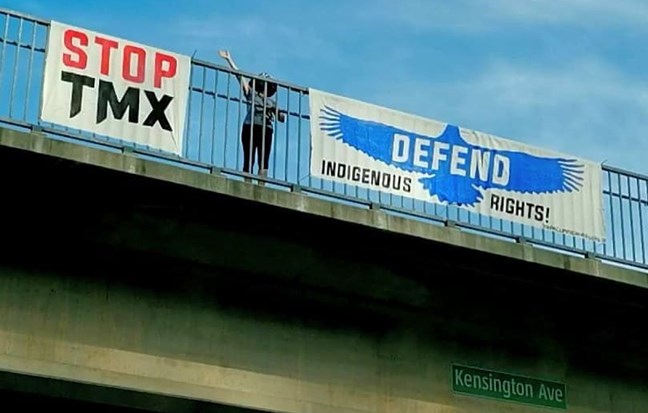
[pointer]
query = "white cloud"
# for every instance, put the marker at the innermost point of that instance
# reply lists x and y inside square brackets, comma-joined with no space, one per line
[584,108]
[258,43]
[261,42]
[471,15]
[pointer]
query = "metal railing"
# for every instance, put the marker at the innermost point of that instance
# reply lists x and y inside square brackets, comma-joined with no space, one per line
[216,111]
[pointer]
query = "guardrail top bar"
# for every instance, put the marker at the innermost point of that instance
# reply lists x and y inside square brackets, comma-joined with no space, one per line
[24,16]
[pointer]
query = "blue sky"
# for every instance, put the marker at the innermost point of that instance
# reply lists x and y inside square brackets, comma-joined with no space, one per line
[565,75]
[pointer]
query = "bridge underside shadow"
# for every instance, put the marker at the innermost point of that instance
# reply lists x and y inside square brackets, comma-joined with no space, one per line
[272,263]
[24,393]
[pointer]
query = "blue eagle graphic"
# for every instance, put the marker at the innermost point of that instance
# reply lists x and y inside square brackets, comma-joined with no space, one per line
[527,173]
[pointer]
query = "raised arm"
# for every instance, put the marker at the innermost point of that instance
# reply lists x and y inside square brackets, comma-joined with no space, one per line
[225,54]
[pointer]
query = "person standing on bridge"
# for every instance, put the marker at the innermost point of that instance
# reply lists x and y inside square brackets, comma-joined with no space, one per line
[258,127]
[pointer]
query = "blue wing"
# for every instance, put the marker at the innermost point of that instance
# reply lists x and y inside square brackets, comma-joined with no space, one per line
[533,174]
[371,138]
[527,173]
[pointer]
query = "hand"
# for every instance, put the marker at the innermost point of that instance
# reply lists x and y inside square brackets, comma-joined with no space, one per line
[225,54]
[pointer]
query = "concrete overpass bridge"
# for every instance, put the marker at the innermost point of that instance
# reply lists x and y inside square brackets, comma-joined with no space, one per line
[134,280]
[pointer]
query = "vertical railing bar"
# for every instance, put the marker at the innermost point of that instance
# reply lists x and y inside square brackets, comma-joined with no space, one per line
[16,64]
[544,235]
[299,130]
[263,129]
[613,232]
[573,241]
[202,110]
[641,227]
[380,195]
[252,107]
[189,105]
[623,240]
[275,131]
[4,47]
[632,229]
[239,104]
[604,244]
[357,191]
[29,70]
[287,128]
[226,131]
[214,122]
[481,220]
[47,35]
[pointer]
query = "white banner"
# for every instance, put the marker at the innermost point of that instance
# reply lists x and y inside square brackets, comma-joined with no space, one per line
[385,150]
[115,87]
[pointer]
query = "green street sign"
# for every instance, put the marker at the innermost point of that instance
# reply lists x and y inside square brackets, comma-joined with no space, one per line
[503,386]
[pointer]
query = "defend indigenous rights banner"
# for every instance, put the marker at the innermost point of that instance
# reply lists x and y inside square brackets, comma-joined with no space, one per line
[115,87]
[385,150]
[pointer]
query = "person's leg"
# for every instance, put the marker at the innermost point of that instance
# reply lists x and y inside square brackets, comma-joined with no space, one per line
[267,147]
[246,143]
[256,146]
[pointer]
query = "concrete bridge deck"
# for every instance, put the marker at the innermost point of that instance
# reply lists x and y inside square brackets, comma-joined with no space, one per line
[137,280]
[313,207]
